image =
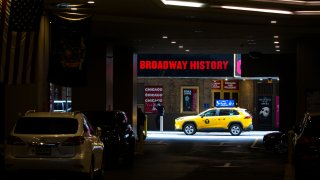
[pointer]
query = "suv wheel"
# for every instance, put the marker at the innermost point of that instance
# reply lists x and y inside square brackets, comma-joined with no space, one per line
[100,172]
[129,156]
[89,175]
[189,129]
[235,129]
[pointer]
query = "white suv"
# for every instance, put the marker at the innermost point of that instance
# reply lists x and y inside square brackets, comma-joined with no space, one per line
[58,141]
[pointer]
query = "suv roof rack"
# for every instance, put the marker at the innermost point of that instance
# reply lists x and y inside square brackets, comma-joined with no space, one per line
[30,111]
[75,112]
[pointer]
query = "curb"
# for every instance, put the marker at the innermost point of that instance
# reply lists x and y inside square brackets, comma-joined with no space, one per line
[1,149]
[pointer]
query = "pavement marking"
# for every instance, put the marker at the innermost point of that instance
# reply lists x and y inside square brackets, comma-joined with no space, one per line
[253,145]
[227,165]
[238,152]
[155,143]
[221,144]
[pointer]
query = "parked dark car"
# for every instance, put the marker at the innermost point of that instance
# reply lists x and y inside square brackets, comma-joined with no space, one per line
[307,145]
[276,141]
[117,135]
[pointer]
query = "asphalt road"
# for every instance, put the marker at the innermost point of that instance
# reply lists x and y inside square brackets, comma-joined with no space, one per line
[175,156]
[172,155]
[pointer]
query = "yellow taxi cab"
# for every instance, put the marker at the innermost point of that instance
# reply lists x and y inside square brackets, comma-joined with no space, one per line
[232,119]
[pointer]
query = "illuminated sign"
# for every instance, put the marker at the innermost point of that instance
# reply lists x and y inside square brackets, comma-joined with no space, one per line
[216,85]
[225,103]
[145,64]
[237,71]
[185,65]
[152,95]
[231,85]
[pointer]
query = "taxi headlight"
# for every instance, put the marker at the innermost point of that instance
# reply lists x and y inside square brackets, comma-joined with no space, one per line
[179,118]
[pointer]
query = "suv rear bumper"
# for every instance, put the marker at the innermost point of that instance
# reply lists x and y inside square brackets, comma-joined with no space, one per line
[249,128]
[74,164]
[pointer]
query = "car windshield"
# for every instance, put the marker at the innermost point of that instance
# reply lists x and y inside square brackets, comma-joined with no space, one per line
[46,125]
[313,127]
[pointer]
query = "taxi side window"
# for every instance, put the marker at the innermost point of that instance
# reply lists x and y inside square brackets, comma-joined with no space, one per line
[224,112]
[234,112]
[210,113]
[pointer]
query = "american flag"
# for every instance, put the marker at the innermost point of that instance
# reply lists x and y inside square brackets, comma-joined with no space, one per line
[19,22]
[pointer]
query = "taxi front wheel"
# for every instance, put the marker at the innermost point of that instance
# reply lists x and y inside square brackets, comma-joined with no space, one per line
[189,129]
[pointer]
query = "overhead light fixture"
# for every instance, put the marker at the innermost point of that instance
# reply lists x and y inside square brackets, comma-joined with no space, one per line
[273,22]
[296,2]
[187,50]
[180,46]
[90,2]
[277,47]
[68,5]
[257,9]
[165,37]
[173,42]
[276,42]
[307,12]
[278,50]
[182,3]
[276,37]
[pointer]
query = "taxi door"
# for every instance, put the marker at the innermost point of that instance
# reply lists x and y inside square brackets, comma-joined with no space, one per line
[224,117]
[207,120]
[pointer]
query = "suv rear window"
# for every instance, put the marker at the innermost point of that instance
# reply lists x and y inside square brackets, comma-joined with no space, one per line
[46,125]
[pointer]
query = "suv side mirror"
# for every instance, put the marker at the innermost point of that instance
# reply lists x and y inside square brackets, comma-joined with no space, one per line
[297,130]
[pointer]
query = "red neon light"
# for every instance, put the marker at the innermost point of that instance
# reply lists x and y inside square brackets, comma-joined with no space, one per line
[183,65]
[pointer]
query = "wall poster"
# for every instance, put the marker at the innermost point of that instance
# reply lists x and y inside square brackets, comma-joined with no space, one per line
[189,102]
[265,112]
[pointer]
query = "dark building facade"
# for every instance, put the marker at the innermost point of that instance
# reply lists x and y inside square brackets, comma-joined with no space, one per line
[113,83]
[191,83]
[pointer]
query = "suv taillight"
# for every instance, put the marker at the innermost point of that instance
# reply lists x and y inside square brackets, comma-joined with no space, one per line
[14,140]
[73,141]
[247,117]
[305,140]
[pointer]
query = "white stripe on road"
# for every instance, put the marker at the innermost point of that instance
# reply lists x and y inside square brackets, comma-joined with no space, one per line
[227,165]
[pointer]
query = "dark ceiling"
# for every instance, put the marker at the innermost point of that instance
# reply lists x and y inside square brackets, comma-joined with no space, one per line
[142,23]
